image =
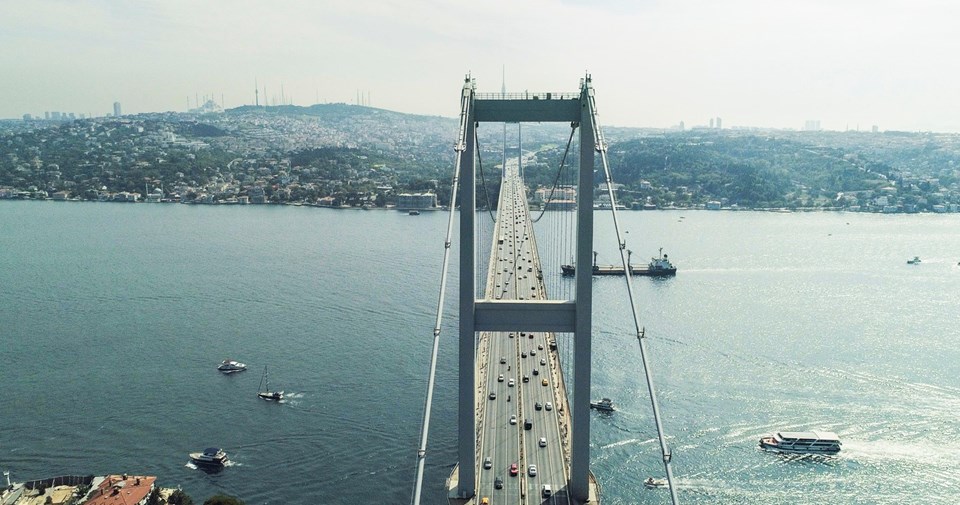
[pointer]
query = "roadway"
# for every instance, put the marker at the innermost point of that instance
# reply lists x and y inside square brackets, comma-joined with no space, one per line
[518,372]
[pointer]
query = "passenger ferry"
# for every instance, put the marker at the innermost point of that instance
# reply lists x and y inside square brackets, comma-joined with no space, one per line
[802,442]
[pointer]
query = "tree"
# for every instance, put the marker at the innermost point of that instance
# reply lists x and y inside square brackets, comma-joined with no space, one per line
[154,498]
[222,499]
[178,497]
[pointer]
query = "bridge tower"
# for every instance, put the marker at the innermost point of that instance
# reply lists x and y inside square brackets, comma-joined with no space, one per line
[558,316]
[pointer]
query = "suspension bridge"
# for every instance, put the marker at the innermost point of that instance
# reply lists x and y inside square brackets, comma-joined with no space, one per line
[522,436]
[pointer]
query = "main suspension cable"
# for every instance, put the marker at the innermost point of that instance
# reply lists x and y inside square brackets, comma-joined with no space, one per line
[460,147]
[483,180]
[601,147]
[556,180]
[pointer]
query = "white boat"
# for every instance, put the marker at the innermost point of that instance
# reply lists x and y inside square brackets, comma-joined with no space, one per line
[263,391]
[605,404]
[914,261]
[211,456]
[652,483]
[802,442]
[231,366]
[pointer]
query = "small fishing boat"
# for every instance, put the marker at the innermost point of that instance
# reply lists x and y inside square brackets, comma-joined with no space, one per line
[914,261]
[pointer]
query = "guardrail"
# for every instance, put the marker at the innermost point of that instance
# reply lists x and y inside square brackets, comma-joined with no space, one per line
[528,95]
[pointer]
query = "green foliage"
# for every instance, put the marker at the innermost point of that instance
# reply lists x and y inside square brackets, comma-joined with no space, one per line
[178,497]
[154,498]
[221,499]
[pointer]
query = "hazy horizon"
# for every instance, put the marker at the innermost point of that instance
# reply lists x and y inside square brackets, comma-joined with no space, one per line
[847,64]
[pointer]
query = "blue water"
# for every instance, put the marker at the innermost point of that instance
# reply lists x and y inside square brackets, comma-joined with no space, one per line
[113,318]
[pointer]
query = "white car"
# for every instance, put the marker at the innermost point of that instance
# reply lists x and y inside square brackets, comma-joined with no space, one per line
[543,442]
[532,471]
[548,406]
[510,383]
[500,378]
[513,419]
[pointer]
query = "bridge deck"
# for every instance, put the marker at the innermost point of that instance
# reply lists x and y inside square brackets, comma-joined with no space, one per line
[517,373]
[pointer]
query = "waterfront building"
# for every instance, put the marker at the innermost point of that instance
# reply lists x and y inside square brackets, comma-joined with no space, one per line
[121,489]
[407,201]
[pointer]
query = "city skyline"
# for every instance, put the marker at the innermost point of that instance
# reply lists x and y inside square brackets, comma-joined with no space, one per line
[848,64]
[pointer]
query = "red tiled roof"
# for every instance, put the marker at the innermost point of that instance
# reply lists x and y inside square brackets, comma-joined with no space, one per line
[122,490]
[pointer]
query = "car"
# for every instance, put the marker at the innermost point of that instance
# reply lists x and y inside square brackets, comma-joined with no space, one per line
[538,406]
[487,463]
[513,419]
[523,354]
[543,361]
[536,372]
[532,471]
[526,378]
[540,346]
[523,334]
[531,336]
[513,469]
[485,501]
[511,335]
[545,491]
[544,382]
[493,395]
[527,424]
[503,360]
[542,442]
[533,352]
[498,483]
[500,378]
[548,406]
[510,383]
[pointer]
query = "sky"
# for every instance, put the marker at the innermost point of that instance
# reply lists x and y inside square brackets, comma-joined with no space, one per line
[654,63]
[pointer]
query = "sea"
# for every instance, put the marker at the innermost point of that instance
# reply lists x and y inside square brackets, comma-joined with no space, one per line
[113,318]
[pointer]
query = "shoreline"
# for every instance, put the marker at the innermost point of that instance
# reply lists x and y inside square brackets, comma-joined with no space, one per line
[782,210]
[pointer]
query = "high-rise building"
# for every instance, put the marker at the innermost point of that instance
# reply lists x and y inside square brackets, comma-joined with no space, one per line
[116,109]
[711,123]
[811,125]
[719,123]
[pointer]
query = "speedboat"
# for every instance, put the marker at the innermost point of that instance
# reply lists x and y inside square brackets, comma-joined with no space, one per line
[802,442]
[914,261]
[605,404]
[231,366]
[211,456]
[652,483]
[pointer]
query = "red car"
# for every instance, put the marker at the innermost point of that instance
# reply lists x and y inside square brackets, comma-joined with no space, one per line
[514,470]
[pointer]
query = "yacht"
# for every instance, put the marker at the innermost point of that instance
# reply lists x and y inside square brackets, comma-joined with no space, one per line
[231,366]
[802,442]
[211,456]
[605,404]
[914,261]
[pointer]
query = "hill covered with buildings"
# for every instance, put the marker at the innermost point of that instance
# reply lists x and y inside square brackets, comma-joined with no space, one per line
[346,155]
